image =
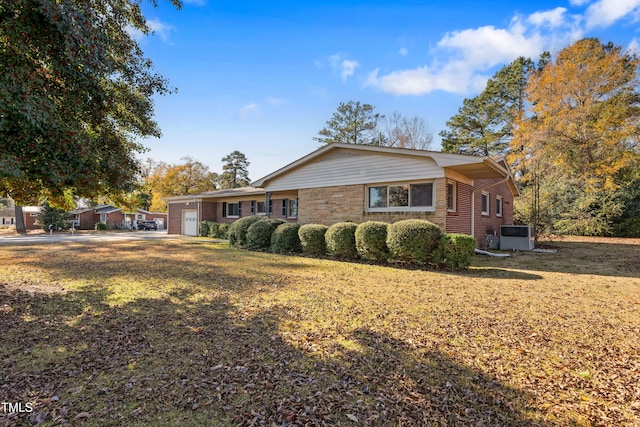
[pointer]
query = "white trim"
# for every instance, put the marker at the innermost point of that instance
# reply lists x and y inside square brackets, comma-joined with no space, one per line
[454,196]
[499,203]
[488,211]
[409,208]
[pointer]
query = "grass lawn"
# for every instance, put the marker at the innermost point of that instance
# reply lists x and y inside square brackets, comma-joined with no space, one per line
[190,332]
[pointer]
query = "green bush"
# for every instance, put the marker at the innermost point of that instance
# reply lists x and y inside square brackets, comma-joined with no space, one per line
[259,234]
[341,240]
[312,239]
[223,231]
[205,228]
[285,239]
[101,226]
[413,240]
[238,230]
[455,250]
[371,240]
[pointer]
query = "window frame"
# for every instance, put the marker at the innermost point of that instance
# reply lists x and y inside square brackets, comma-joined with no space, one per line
[485,196]
[228,210]
[453,194]
[290,204]
[264,208]
[408,208]
[499,205]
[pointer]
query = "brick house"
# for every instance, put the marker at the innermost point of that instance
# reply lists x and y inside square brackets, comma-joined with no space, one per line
[346,182]
[29,214]
[115,218]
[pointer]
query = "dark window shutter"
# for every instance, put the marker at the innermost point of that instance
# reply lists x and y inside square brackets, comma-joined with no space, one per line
[240,209]
[224,209]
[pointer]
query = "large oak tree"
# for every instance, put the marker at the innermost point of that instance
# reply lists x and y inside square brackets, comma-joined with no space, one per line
[75,97]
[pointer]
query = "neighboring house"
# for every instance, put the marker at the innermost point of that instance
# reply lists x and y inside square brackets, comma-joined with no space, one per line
[347,182]
[29,213]
[115,218]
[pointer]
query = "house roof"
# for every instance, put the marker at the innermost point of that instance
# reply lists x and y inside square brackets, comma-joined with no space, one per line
[217,194]
[474,167]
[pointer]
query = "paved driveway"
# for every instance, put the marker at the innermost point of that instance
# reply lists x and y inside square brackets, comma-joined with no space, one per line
[86,237]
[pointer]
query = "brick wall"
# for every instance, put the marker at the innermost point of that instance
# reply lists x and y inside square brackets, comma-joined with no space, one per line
[459,221]
[174,223]
[488,224]
[328,205]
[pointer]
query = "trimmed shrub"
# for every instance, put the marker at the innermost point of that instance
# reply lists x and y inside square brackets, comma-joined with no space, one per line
[341,240]
[413,240]
[101,226]
[285,239]
[455,250]
[238,230]
[259,234]
[223,231]
[213,229]
[312,239]
[205,228]
[371,240]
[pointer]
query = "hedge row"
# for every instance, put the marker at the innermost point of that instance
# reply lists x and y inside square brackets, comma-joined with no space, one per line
[410,241]
[213,229]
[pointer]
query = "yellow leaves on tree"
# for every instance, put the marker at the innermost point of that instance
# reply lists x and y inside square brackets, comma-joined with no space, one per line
[583,117]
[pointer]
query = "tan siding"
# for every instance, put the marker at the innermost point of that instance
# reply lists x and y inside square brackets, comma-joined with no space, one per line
[349,168]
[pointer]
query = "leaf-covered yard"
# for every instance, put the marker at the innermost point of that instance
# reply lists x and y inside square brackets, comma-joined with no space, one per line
[190,332]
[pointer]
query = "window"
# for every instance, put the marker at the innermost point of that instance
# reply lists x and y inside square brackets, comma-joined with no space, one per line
[261,208]
[485,203]
[451,196]
[103,217]
[401,197]
[498,205]
[293,208]
[233,210]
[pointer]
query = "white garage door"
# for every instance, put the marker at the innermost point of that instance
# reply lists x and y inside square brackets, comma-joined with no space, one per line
[190,223]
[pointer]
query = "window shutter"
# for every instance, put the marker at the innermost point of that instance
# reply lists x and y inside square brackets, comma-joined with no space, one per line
[224,209]
[253,207]
[284,208]
[240,209]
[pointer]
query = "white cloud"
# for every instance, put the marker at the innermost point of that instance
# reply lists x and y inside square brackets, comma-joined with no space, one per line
[462,60]
[340,65]
[247,110]
[634,47]
[403,51]
[552,18]
[276,101]
[578,2]
[160,28]
[603,13]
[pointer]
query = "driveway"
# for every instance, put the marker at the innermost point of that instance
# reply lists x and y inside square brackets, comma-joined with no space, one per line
[84,236]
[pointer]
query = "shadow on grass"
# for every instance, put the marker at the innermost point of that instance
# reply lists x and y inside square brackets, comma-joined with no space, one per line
[184,361]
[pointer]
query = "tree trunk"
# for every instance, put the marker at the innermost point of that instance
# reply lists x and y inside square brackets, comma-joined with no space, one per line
[21,227]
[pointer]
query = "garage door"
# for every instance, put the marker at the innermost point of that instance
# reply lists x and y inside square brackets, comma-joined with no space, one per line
[190,223]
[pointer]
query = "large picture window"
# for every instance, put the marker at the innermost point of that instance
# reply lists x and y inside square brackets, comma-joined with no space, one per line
[233,210]
[400,197]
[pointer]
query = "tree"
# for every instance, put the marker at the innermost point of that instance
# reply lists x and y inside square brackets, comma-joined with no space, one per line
[190,177]
[484,124]
[352,123]
[76,93]
[49,215]
[584,116]
[234,172]
[406,132]
[582,128]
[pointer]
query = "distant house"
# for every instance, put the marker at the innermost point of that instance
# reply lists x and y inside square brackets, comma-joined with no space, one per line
[115,218]
[346,182]
[29,213]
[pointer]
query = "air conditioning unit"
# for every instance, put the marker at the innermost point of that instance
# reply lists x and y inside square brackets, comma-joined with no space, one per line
[517,238]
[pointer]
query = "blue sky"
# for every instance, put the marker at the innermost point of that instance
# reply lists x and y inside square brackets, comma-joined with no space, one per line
[264,77]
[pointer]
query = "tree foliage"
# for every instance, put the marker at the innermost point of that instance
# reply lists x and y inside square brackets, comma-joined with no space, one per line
[484,124]
[75,95]
[165,180]
[577,147]
[235,171]
[352,123]
[405,132]
[50,215]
